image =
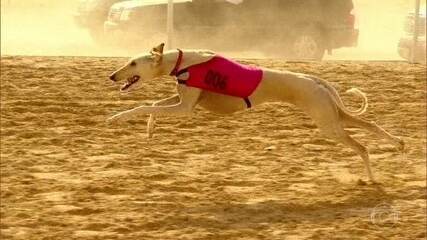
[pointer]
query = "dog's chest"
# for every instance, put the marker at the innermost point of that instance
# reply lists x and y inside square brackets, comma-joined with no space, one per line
[224,76]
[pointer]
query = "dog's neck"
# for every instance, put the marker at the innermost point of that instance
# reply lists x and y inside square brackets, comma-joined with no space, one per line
[189,58]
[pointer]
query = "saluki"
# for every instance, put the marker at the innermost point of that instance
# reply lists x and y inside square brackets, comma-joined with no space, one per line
[224,86]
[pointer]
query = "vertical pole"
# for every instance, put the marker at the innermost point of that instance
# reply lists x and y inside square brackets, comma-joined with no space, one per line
[416,28]
[169,25]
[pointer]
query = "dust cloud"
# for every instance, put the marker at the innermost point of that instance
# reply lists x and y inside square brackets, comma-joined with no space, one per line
[381,27]
[46,27]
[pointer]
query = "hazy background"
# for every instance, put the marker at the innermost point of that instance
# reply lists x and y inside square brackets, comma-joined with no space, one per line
[46,27]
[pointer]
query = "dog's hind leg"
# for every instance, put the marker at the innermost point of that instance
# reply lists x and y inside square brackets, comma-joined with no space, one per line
[352,121]
[152,120]
[345,138]
[335,131]
[326,114]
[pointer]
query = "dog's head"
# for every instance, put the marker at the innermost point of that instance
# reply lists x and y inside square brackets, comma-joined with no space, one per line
[146,66]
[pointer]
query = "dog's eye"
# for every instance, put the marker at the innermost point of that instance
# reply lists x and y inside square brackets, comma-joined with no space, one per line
[133,63]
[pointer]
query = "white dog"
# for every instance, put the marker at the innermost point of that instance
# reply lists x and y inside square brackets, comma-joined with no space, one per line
[315,96]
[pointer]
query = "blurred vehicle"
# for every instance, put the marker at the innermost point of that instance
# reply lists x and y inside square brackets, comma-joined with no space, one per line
[91,14]
[405,47]
[295,29]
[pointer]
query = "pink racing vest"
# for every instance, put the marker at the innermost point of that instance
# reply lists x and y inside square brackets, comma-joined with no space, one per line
[221,75]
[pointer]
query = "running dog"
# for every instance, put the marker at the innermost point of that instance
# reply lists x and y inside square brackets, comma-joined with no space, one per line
[223,86]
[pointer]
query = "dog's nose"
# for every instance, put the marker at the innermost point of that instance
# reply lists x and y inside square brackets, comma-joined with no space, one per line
[113,77]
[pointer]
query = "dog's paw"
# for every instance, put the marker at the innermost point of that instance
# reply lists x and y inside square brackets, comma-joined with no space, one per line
[150,132]
[401,144]
[367,182]
[116,118]
[111,120]
[150,135]
[362,182]
[151,125]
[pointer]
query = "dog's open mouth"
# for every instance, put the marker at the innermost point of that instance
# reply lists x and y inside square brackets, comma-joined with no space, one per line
[130,81]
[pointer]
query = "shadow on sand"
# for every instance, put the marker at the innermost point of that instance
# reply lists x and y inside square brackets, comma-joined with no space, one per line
[357,204]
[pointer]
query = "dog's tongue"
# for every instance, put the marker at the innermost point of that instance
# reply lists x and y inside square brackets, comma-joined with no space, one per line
[129,82]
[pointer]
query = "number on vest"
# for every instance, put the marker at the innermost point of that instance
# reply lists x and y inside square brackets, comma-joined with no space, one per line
[216,80]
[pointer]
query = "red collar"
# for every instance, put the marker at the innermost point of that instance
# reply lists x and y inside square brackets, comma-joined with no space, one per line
[177,64]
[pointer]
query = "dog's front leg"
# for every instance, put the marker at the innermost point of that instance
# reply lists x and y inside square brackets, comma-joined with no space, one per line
[188,97]
[177,109]
[151,120]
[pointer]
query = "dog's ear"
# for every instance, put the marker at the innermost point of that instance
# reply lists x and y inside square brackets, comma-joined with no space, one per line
[157,57]
[158,49]
[157,53]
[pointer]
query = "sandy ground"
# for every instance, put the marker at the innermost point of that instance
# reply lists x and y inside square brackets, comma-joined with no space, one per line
[265,173]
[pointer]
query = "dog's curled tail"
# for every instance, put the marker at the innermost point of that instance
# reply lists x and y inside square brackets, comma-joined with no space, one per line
[364,106]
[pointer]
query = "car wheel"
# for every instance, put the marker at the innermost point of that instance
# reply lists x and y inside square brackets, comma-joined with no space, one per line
[308,45]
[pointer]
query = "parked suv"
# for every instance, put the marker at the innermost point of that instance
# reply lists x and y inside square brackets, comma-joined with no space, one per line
[91,14]
[405,47]
[296,29]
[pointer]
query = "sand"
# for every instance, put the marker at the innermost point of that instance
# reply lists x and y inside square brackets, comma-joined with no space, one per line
[265,173]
